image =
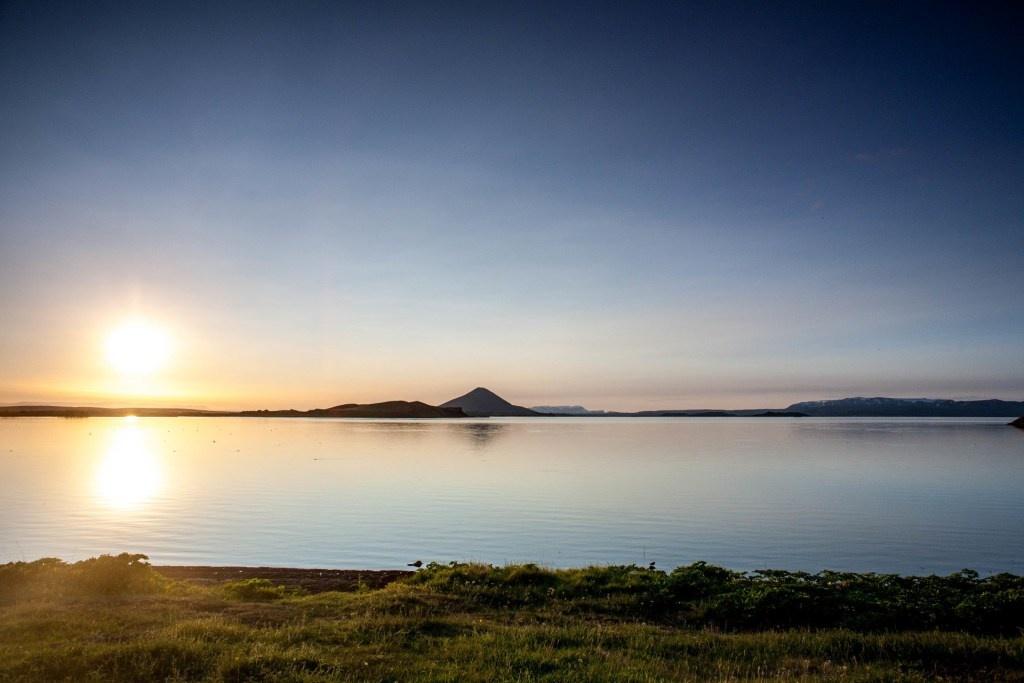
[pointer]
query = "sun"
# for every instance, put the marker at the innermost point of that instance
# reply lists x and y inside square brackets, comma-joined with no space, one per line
[137,348]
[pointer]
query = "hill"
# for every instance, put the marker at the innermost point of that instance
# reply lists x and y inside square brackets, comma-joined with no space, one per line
[385,409]
[405,409]
[881,406]
[483,402]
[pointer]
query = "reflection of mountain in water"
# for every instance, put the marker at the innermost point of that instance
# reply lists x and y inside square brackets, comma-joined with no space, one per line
[480,434]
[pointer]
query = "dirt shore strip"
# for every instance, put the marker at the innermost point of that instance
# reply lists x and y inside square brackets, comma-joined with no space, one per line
[309,580]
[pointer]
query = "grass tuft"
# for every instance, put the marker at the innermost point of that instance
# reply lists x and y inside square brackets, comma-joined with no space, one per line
[256,590]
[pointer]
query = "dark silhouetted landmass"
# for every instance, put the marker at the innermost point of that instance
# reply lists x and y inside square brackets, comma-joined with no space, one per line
[756,412]
[881,406]
[1019,422]
[406,409]
[780,413]
[90,411]
[686,413]
[483,402]
[565,410]
[385,409]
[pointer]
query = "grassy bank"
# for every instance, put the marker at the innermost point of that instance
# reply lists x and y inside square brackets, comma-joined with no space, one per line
[115,618]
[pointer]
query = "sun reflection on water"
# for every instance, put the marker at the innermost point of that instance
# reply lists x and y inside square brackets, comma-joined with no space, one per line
[130,473]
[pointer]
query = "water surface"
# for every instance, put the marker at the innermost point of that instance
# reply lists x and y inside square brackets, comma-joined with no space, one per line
[902,495]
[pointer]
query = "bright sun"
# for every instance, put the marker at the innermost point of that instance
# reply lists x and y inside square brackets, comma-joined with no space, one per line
[138,348]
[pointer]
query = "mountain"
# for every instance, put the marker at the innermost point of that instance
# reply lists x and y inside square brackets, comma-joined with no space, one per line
[483,402]
[1019,422]
[881,406]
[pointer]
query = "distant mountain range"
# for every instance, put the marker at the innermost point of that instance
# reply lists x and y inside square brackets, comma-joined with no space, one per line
[565,410]
[881,406]
[481,402]
[845,407]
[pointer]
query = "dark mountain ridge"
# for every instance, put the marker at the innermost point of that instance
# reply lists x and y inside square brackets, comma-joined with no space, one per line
[881,406]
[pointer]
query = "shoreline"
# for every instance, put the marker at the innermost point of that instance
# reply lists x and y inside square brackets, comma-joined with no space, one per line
[309,580]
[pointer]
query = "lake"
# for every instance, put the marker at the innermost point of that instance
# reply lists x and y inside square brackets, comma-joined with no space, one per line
[893,495]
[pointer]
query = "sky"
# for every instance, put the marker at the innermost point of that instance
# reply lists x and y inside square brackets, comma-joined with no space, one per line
[625,206]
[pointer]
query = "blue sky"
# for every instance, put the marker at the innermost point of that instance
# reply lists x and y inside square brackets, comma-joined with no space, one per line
[680,205]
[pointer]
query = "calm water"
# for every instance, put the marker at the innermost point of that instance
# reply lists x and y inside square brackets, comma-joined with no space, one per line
[904,495]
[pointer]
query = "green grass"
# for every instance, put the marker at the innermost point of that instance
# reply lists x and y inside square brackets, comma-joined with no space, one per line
[115,619]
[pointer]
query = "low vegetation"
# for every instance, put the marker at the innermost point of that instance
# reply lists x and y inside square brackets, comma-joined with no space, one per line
[702,595]
[114,618]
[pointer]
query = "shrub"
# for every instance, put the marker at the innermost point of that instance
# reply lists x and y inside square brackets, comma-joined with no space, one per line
[704,595]
[109,575]
[106,575]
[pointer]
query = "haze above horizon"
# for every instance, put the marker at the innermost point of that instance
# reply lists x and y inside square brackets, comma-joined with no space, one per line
[699,206]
